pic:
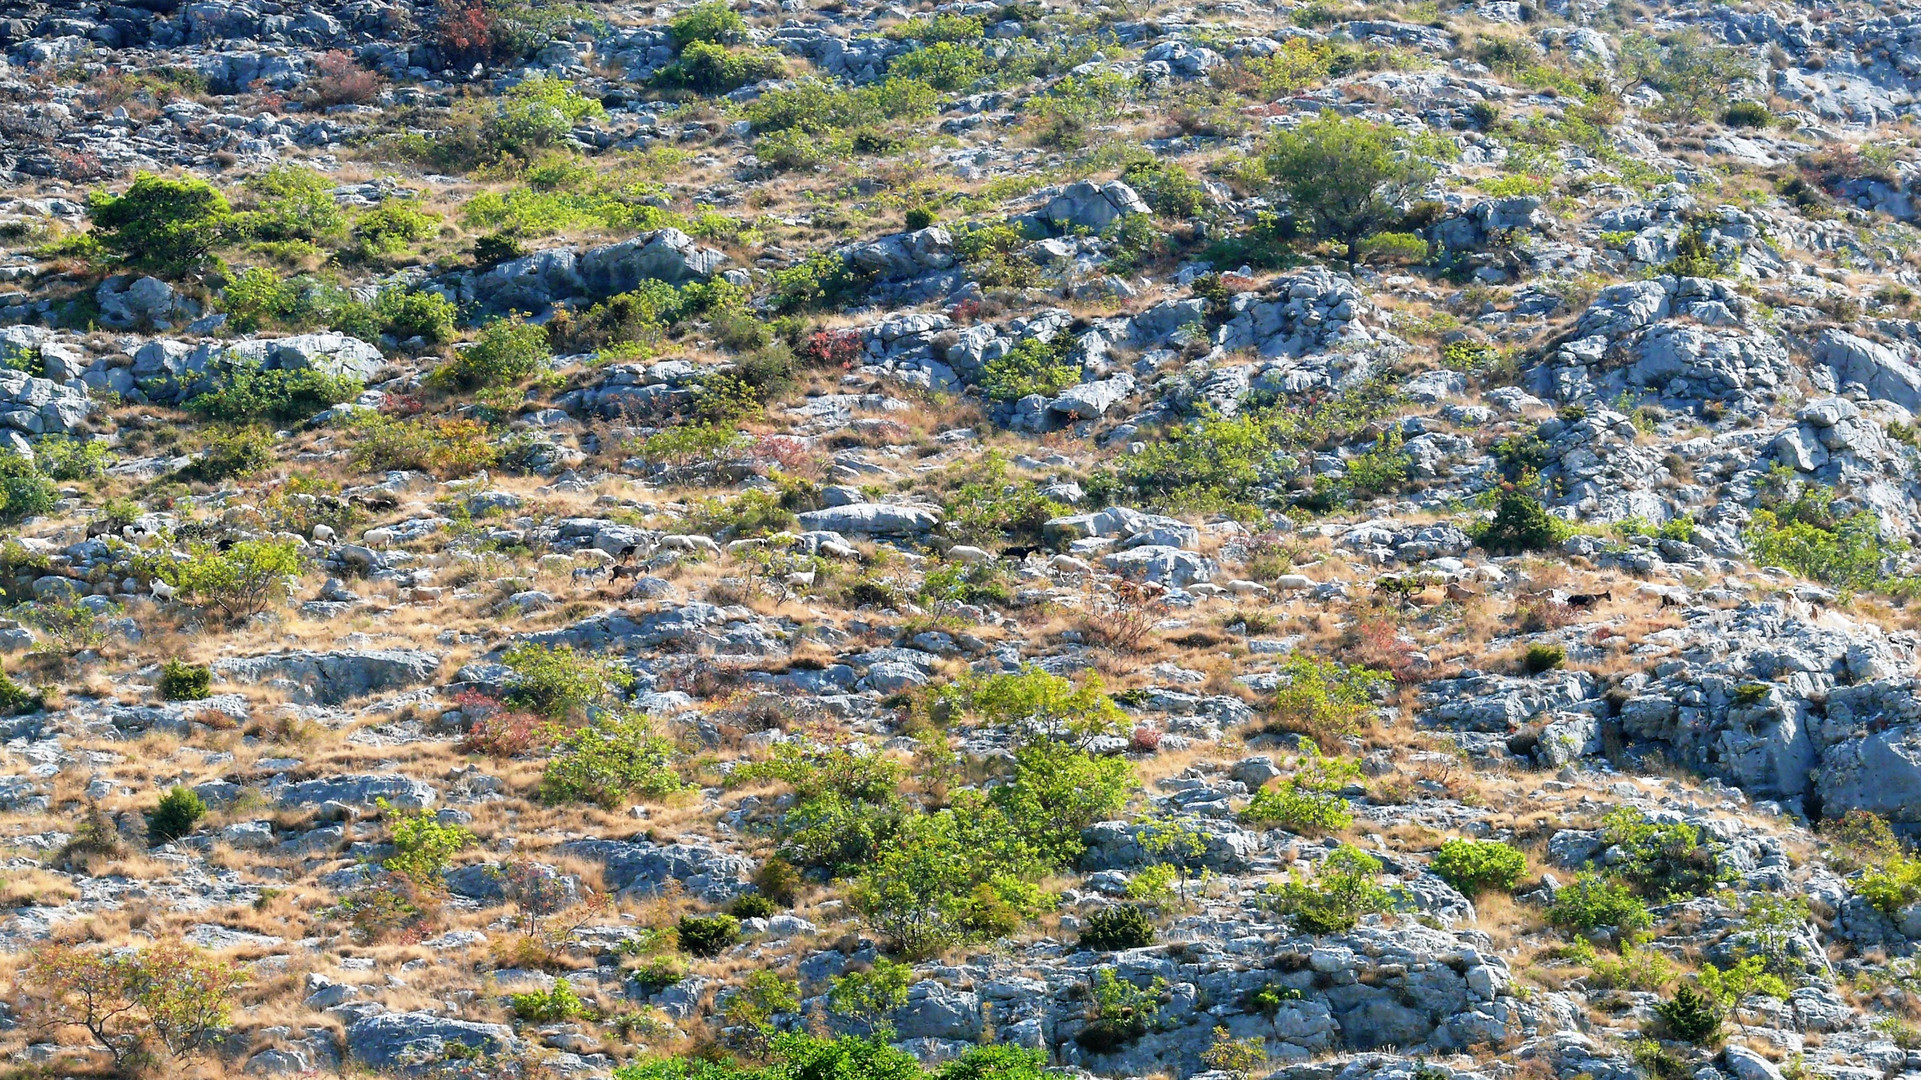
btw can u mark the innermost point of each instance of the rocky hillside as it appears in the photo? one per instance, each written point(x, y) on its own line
point(851, 542)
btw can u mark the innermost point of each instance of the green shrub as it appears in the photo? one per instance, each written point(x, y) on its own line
point(1691, 1016)
point(232, 453)
point(70, 457)
point(551, 1006)
point(240, 582)
point(941, 28)
point(422, 845)
point(1032, 366)
point(181, 681)
point(611, 760)
point(257, 298)
point(1309, 802)
point(1478, 866)
point(1520, 524)
point(1346, 176)
point(539, 113)
point(1592, 901)
point(1167, 188)
point(282, 395)
point(752, 906)
point(1324, 699)
point(691, 443)
point(1892, 885)
point(425, 315)
point(508, 351)
point(1662, 862)
point(166, 227)
point(1541, 658)
point(291, 202)
point(1117, 928)
point(749, 514)
point(918, 218)
point(1744, 979)
point(175, 816)
point(709, 22)
point(24, 491)
point(1747, 114)
point(944, 65)
point(707, 935)
point(1798, 528)
point(715, 69)
point(1861, 837)
point(870, 997)
point(393, 227)
point(1344, 888)
point(443, 448)
point(1121, 1012)
point(16, 700)
point(1401, 248)
point(557, 681)
point(954, 876)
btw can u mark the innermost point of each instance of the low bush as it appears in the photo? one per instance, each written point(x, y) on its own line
point(283, 396)
point(1478, 866)
point(166, 227)
point(428, 316)
point(392, 228)
point(608, 762)
point(1344, 888)
point(1032, 366)
point(1520, 524)
point(556, 681)
point(752, 906)
point(1691, 1016)
point(712, 22)
point(175, 816)
point(1308, 802)
point(551, 1006)
point(444, 448)
point(1591, 902)
point(1116, 928)
point(1542, 658)
point(1662, 862)
point(707, 935)
point(508, 351)
point(234, 453)
point(181, 681)
point(24, 491)
point(240, 582)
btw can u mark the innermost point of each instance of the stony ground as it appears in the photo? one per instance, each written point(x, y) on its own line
point(558, 540)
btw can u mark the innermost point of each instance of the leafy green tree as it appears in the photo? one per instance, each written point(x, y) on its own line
point(1176, 843)
point(1520, 524)
point(539, 113)
point(240, 582)
point(1347, 177)
point(957, 875)
point(870, 997)
point(1040, 703)
point(1056, 791)
point(713, 22)
point(139, 1004)
point(247, 392)
point(165, 227)
point(1591, 901)
point(1309, 801)
point(556, 681)
point(1032, 366)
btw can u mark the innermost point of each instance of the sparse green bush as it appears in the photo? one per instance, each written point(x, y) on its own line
point(425, 315)
point(175, 816)
point(1308, 802)
point(713, 22)
point(392, 227)
point(1747, 114)
point(291, 202)
point(557, 681)
point(715, 69)
point(508, 351)
point(1167, 188)
point(422, 845)
point(611, 760)
point(550, 1006)
point(539, 113)
point(1478, 866)
point(443, 448)
point(1591, 901)
point(1344, 889)
point(707, 935)
point(16, 700)
point(870, 997)
point(1324, 699)
point(181, 681)
point(246, 392)
point(1113, 929)
point(165, 227)
point(71, 457)
point(1347, 176)
point(24, 491)
point(1032, 366)
point(240, 582)
point(944, 65)
point(1661, 862)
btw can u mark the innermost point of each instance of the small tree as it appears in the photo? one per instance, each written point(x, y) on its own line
point(508, 351)
point(1344, 889)
point(610, 761)
point(1478, 866)
point(1520, 524)
point(137, 1005)
point(1348, 177)
point(242, 581)
point(166, 227)
point(870, 997)
point(1691, 1016)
